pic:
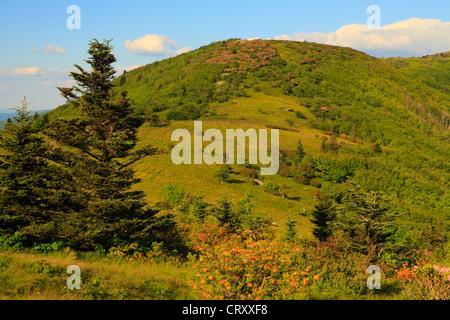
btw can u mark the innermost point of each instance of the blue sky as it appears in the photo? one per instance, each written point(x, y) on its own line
point(38, 50)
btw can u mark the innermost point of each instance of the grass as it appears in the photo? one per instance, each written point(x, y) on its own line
point(156, 171)
point(411, 166)
point(33, 276)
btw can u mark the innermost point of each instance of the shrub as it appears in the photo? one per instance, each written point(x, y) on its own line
point(315, 183)
point(173, 194)
point(247, 267)
point(289, 122)
point(251, 266)
point(274, 189)
point(249, 172)
point(177, 115)
point(303, 172)
point(302, 180)
point(299, 115)
point(223, 173)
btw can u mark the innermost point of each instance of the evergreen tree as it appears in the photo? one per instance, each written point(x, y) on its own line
point(353, 132)
point(377, 148)
point(299, 152)
point(223, 173)
point(291, 232)
point(366, 221)
point(323, 146)
point(123, 78)
point(199, 208)
point(102, 142)
point(333, 145)
point(31, 199)
point(323, 216)
point(226, 216)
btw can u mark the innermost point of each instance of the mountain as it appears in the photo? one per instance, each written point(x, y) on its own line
point(433, 70)
point(4, 115)
point(390, 118)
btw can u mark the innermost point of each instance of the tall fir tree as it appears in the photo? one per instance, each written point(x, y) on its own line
point(299, 152)
point(323, 216)
point(291, 232)
point(365, 221)
point(32, 200)
point(102, 144)
point(226, 215)
point(333, 145)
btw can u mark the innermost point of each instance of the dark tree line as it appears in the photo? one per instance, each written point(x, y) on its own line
point(71, 180)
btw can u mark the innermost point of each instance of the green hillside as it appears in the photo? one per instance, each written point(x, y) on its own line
point(381, 124)
point(433, 70)
point(361, 99)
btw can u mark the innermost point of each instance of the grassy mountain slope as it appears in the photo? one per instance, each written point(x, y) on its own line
point(433, 70)
point(310, 92)
point(251, 84)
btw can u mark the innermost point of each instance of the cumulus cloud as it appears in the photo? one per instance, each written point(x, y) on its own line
point(183, 50)
point(37, 84)
point(412, 37)
point(34, 73)
point(30, 71)
point(59, 83)
point(283, 37)
point(53, 49)
point(154, 44)
point(122, 69)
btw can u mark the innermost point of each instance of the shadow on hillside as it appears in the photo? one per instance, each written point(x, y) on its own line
point(235, 181)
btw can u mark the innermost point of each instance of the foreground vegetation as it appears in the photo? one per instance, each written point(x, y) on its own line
point(363, 180)
point(238, 266)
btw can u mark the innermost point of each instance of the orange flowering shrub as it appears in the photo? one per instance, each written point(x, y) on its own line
point(422, 279)
point(128, 251)
point(132, 251)
point(247, 266)
point(425, 281)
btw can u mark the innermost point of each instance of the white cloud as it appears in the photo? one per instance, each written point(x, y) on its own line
point(183, 50)
point(153, 44)
point(283, 37)
point(59, 83)
point(34, 73)
point(30, 71)
point(34, 49)
point(122, 69)
point(37, 84)
point(412, 37)
point(53, 49)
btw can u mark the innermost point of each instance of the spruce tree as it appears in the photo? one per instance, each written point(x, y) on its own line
point(377, 148)
point(291, 232)
point(32, 200)
point(223, 173)
point(299, 152)
point(102, 143)
point(366, 221)
point(226, 216)
point(323, 146)
point(323, 216)
point(333, 145)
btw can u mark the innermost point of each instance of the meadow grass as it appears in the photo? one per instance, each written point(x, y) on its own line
point(31, 276)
